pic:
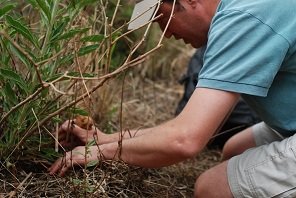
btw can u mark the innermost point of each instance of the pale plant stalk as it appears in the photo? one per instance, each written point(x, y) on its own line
point(115, 13)
point(39, 131)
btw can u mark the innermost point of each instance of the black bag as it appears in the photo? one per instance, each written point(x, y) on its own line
point(240, 118)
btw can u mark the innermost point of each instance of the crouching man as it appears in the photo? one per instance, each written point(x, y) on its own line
point(250, 52)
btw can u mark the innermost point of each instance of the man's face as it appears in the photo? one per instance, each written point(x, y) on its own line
point(185, 24)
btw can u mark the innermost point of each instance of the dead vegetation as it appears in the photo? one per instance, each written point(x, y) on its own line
point(147, 100)
point(112, 179)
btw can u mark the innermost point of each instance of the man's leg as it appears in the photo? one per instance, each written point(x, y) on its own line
point(213, 183)
point(265, 171)
point(238, 143)
point(257, 135)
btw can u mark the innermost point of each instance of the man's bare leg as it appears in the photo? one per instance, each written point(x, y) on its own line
point(213, 183)
point(238, 143)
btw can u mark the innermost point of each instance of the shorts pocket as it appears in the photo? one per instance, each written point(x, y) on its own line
point(274, 175)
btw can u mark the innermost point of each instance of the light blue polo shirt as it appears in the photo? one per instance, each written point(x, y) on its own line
point(251, 50)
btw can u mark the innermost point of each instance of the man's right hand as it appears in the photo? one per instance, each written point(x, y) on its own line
point(71, 135)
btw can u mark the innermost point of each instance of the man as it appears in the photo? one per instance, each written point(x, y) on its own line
point(250, 51)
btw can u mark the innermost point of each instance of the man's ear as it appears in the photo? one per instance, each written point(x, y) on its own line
point(192, 2)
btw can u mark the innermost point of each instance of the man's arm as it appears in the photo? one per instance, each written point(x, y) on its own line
point(176, 140)
point(181, 138)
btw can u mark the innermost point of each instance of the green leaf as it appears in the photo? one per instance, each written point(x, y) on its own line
point(44, 93)
point(77, 74)
point(21, 56)
point(76, 181)
point(72, 33)
point(92, 163)
point(6, 9)
point(10, 74)
point(93, 38)
point(78, 111)
point(14, 77)
point(90, 189)
point(83, 3)
point(87, 49)
point(9, 94)
point(67, 59)
point(33, 3)
point(91, 143)
point(116, 35)
point(54, 77)
point(22, 29)
point(56, 120)
point(49, 153)
point(58, 30)
point(45, 8)
point(1, 79)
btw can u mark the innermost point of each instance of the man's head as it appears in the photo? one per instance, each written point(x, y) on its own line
point(190, 22)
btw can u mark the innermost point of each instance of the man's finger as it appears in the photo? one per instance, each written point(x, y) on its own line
point(55, 166)
point(65, 166)
point(62, 136)
point(76, 130)
point(67, 125)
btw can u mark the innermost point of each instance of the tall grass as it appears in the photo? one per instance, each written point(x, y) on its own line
point(54, 55)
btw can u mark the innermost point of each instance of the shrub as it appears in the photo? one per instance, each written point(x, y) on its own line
point(54, 55)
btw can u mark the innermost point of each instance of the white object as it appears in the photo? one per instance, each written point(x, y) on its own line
point(143, 12)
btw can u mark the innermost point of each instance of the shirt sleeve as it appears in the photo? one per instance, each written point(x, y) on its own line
point(243, 54)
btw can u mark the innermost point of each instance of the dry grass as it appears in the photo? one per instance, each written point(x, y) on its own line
point(150, 97)
point(113, 179)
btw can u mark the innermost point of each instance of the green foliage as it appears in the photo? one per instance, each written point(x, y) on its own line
point(49, 51)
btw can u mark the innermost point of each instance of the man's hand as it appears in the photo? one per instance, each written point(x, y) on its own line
point(71, 135)
point(79, 156)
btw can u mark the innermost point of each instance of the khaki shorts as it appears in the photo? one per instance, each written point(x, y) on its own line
point(268, 170)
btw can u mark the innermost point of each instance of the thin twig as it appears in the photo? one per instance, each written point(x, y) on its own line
point(28, 99)
point(168, 23)
point(13, 193)
point(115, 13)
point(38, 125)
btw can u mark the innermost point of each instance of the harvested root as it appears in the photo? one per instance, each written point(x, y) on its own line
point(84, 122)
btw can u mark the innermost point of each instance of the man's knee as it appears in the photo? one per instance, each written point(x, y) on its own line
point(200, 186)
point(213, 183)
